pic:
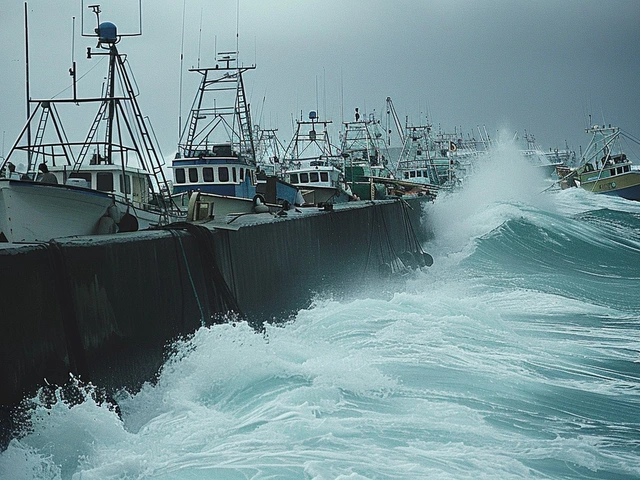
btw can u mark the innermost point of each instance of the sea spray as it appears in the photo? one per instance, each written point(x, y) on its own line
point(514, 356)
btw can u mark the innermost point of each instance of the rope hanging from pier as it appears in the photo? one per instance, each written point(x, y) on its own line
point(221, 296)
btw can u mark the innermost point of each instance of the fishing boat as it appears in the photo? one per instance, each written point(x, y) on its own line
point(416, 162)
point(604, 167)
point(31, 211)
point(364, 157)
point(216, 152)
point(423, 164)
point(269, 151)
point(546, 162)
point(108, 180)
point(311, 164)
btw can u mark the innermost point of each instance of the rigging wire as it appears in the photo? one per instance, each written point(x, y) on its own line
point(80, 78)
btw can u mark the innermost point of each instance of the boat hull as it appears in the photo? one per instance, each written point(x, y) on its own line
point(626, 185)
point(38, 212)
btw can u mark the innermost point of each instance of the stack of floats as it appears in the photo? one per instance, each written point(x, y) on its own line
point(105, 308)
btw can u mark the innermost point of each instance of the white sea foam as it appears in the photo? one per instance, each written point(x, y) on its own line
point(485, 365)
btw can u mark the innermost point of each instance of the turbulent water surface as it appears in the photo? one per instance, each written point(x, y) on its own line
point(516, 355)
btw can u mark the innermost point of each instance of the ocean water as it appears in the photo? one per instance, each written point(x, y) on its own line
point(516, 355)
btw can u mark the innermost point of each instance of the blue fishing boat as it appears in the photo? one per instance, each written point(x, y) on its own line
point(216, 153)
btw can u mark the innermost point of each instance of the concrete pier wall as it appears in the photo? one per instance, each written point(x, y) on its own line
point(277, 267)
point(103, 310)
point(106, 308)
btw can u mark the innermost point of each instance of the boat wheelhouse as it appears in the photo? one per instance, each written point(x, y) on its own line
point(218, 170)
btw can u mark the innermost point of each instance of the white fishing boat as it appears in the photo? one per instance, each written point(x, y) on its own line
point(116, 164)
point(311, 164)
point(38, 212)
point(425, 160)
point(417, 163)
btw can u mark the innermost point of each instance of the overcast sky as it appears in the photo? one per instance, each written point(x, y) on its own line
point(540, 66)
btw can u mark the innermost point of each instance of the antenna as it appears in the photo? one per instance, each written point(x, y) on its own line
point(95, 8)
point(26, 54)
point(184, 7)
point(72, 70)
point(341, 98)
point(317, 106)
point(237, 28)
point(324, 92)
point(200, 38)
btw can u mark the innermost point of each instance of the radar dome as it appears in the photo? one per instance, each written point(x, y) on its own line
point(107, 32)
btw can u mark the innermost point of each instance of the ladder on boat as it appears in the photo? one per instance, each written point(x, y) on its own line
point(37, 141)
point(90, 136)
point(245, 120)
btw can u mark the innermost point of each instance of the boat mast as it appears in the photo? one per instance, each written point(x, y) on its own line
point(113, 52)
point(26, 48)
point(72, 70)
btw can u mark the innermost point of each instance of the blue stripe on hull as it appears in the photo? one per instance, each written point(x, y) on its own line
point(630, 193)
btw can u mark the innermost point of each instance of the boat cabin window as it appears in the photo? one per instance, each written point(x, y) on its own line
point(104, 181)
point(406, 174)
point(242, 174)
point(223, 174)
point(233, 172)
point(126, 183)
point(207, 174)
point(193, 175)
point(412, 174)
point(314, 177)
point(419, 174)
point(425, 174)
point(627, 168)
point(324, 176)
point(179, 174)
point(294, 178)
point(619, 170)
point(304, 178)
